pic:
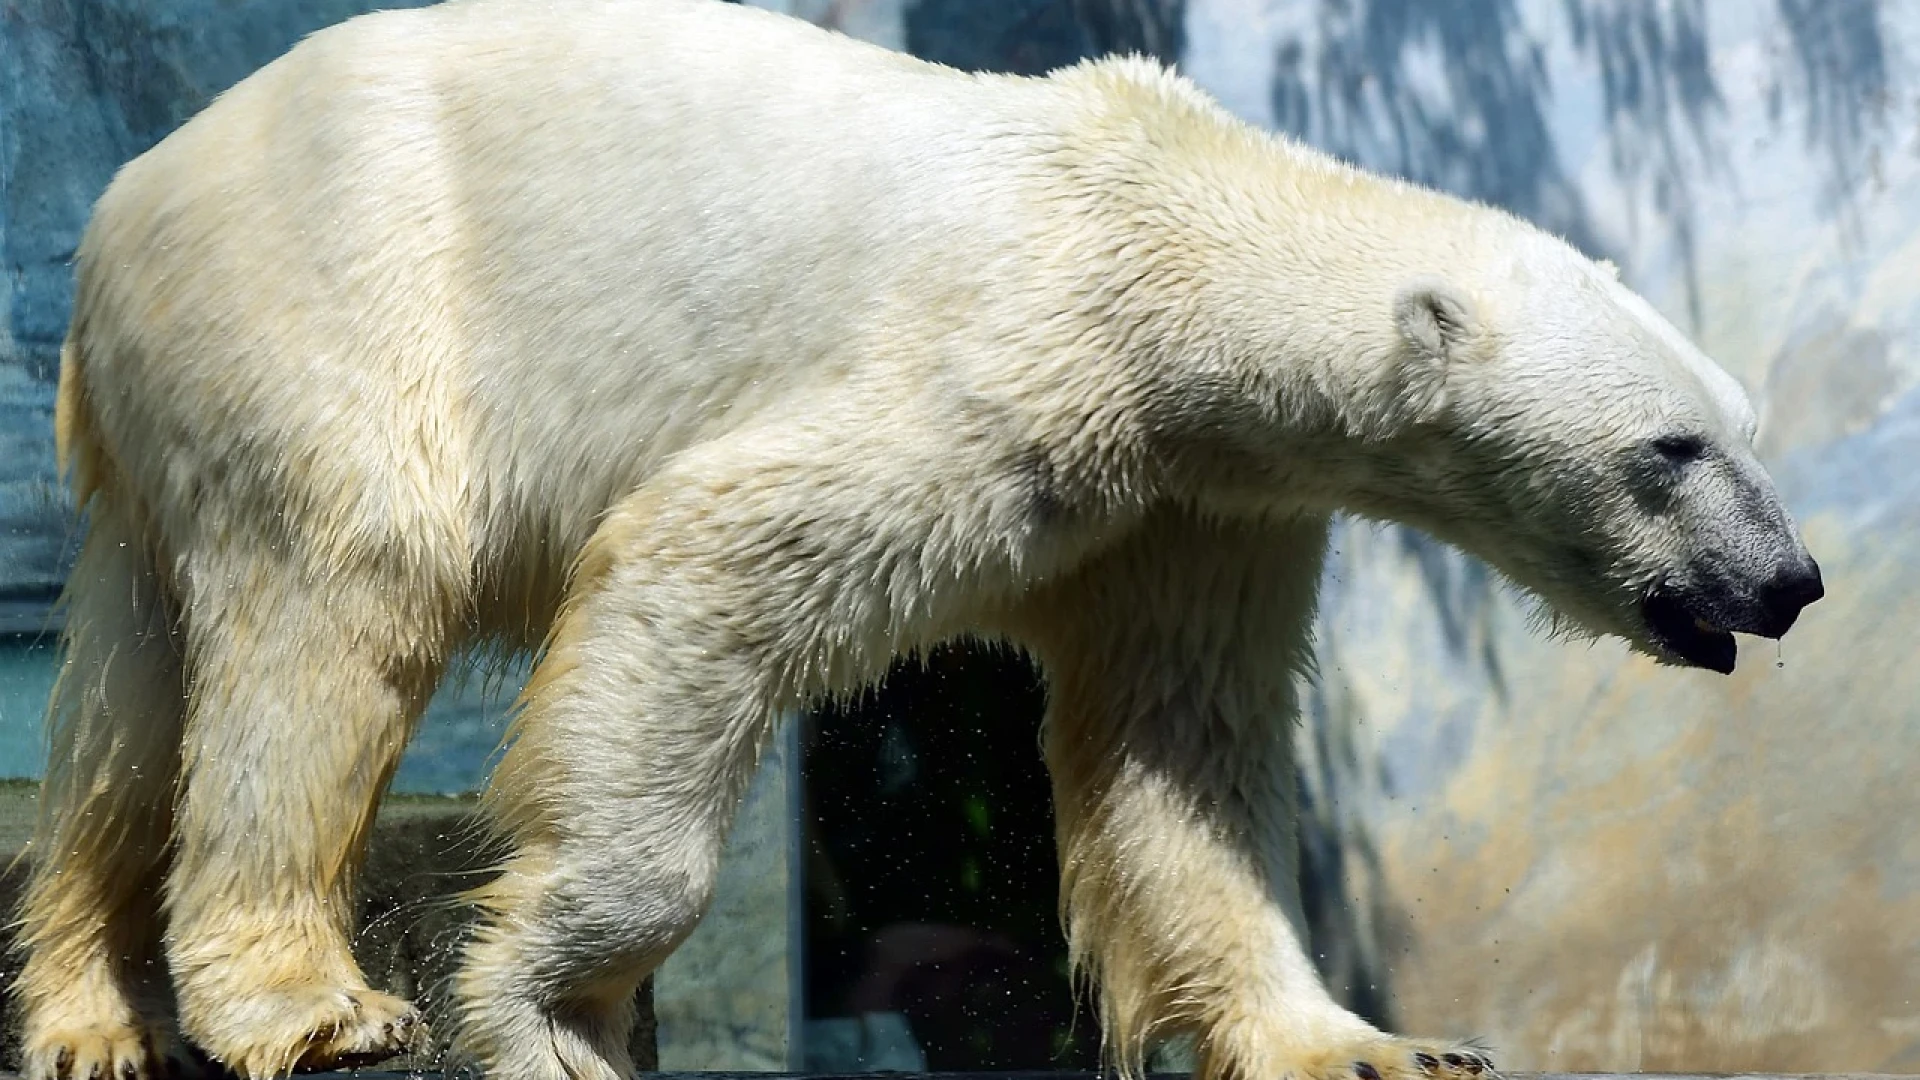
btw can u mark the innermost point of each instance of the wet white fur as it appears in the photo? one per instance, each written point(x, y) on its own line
point(732, 359)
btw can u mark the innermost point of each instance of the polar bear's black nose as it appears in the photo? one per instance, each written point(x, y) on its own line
point(1794, 586)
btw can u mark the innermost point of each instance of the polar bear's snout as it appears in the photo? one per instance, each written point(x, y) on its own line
point(1693, 617)
point(1792, 588)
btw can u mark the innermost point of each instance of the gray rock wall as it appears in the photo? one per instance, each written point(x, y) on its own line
point(84, 86)
point(1596, 863)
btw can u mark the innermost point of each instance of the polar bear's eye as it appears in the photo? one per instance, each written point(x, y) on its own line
point(1679, 448)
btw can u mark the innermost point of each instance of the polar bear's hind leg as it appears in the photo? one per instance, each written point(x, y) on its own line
point(94, 988)
point(305, 690)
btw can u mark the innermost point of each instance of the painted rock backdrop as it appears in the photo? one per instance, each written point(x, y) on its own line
point(1595, 862)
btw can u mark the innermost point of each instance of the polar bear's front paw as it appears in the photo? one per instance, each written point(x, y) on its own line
point(327, 1031)
point(1389, 1058)
point(110, 1052)
point(379, 1026)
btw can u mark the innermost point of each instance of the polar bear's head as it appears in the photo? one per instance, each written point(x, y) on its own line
point(1570, 436)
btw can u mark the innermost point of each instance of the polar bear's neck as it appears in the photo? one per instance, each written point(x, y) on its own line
point(1234, 289)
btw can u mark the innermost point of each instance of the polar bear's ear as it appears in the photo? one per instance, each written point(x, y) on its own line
point(1440, 327)
point(1437, 320)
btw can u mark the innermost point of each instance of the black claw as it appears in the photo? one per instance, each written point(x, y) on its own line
point(1475, 1065)
point(63, 1062)
point(93, 1071)
point(1426, 1061)
point(1454, 1061)
point(1365, 1071)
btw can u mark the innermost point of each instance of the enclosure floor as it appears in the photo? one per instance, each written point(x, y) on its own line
point(1043, 1075)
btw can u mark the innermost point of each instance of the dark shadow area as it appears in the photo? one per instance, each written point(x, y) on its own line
point(932, 885)
point(1659, 97)
point(1363, 89)
point(1838, 63)
point(1359, 92)
point(1148, 27)
point(932, 880)
point(1031, 37)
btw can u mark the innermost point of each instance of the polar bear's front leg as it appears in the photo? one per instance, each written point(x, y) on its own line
point(1170, 664)
point(739, 586)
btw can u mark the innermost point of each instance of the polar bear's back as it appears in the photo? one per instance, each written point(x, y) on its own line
point(492, 261)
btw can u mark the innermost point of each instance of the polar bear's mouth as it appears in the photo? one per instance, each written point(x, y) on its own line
point(1686, 636)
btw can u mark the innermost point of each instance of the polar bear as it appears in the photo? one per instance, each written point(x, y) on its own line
point(724, 360)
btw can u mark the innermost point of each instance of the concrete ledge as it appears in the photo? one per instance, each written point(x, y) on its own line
point(1045, 1075)
point(424, 852)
